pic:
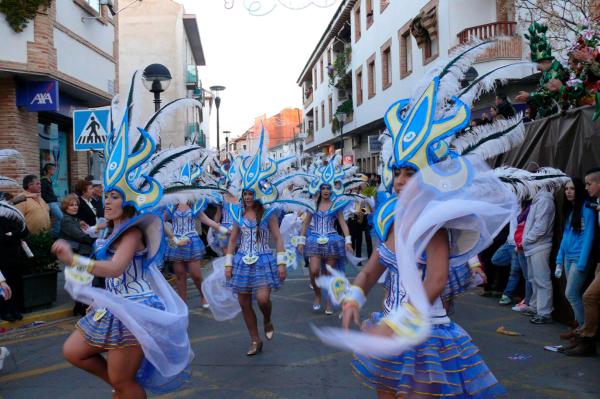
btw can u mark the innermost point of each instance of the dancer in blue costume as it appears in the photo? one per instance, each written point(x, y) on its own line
point(448, 208)
point(253, 272)
point(139, 321)
point(186, 257)
point(323, 245)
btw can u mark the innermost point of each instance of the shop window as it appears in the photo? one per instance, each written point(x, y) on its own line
point(54, 149)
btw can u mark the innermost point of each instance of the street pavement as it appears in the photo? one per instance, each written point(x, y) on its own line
point(295, 365)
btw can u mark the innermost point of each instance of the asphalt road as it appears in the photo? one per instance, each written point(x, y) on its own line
point(295, 365)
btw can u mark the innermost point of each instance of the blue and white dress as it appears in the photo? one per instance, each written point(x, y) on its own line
point(323, 239)
point(139, 308)
point(446, 365)
point(217, 240)
point(254, 263)
point(184, 225)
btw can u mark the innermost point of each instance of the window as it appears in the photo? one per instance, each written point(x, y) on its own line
point(357, 22)
point(371, 76)
point(383, 5)
point(316, 119)
point(369, 6)
point(323, 114)
point(315, 76)
point(329, 107)
point(386, 64)
point(405, 41)
point(321, 68)
point(359, 86)
point(430, 50)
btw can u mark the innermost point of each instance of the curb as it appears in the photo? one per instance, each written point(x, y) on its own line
point(45, 315)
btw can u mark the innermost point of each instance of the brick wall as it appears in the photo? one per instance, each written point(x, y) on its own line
point(18, 131)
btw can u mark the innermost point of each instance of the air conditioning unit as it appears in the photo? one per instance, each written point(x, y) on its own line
point(342, 94)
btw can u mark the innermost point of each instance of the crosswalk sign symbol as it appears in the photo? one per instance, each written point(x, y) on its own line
point(90, 129)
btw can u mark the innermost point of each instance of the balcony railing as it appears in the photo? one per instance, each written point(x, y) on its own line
point(191, 77)
point(511, 48)
point(488, 31)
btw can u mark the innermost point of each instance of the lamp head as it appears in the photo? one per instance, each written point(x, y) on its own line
point(156, 78)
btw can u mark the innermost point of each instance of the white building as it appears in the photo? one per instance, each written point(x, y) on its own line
point(65, 59)
point(386, 59)
point(160, 31)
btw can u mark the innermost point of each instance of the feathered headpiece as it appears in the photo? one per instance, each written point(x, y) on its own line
point(430, 127)
point(526, 184)
point(141, 175)
point(259, 173)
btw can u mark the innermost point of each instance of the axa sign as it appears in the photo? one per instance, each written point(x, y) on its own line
point(38, 95)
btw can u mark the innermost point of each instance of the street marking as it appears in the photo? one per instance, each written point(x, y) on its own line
point(27, 339)
point(297, 336)
point(317, 360)
point(212, 337)
point(35, 372)
point(287, 298)
point(263, 393)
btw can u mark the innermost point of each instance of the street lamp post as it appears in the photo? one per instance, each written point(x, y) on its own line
point(341, 116)
point(156, 78)
point(217, 90)
point(226, 133)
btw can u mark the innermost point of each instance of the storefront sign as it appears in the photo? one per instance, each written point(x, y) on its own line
point(348, 159)
point(374, 144)
point(38, 96)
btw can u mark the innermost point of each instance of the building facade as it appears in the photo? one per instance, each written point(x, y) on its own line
point(65, 59)
point(374, 52)
point(175, 43)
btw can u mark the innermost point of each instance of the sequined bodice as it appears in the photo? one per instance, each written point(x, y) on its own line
point(133, 280)
point(249, 242)
point(183, 223)
point(323, 223)
point(396, 293)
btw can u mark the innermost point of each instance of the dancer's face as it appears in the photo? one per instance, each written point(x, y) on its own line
point(401, 178)
point(248, 198)
point(325, 191)
point(113, 205)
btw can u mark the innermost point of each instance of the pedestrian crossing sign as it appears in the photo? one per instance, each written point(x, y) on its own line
point(90, 129)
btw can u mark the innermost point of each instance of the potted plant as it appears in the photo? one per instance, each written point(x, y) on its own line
point(39, 273)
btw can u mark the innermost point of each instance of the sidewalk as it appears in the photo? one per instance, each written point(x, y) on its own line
point(62, 308)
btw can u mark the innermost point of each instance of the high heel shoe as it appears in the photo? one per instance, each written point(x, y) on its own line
point(269, 331)
point(255, 347)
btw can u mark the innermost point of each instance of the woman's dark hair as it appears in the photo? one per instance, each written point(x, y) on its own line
point(47, 167)
point(81, 186)
point(577, 205)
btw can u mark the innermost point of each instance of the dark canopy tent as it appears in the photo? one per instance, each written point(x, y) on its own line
point(570, 142)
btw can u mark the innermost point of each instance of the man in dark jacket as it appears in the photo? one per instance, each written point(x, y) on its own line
point(50, 198)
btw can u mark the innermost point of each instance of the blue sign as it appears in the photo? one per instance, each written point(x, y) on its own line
point(38, 96)
point(90, 129)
